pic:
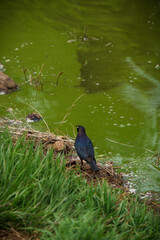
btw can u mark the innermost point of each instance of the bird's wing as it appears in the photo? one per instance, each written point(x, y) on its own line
point(85, 149)
point(80, 148)
point(89, 148)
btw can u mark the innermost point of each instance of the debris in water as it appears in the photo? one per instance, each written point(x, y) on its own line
point(33, 117)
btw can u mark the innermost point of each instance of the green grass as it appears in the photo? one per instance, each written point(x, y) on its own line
point(39, 194)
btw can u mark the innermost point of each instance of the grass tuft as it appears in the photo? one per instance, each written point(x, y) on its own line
point(38, 194)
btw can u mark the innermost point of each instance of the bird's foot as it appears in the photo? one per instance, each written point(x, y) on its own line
point(81, 167)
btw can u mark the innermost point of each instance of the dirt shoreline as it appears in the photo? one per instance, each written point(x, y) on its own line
point(65, 145)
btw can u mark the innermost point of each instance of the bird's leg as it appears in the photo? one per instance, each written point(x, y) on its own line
point(81, 163)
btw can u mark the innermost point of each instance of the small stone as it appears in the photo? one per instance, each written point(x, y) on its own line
point(1, 66)
point(59, 146)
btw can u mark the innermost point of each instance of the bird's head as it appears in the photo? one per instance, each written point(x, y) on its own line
point(81, 130)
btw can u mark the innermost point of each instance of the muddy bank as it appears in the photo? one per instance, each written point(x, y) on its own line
point(7, 84)
point(64, 145)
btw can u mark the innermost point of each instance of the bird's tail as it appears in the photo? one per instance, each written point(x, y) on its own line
point(94, 166)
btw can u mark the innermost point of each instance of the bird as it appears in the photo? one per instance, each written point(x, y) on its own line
point(84, 148)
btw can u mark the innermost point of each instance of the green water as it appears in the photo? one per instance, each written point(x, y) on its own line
point(109, 52)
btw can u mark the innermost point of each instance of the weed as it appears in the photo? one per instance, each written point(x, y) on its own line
point(36, 80)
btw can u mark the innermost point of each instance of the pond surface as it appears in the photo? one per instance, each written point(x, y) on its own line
point(107, 57)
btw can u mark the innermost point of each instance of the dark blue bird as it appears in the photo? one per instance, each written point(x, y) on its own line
point(84, 148)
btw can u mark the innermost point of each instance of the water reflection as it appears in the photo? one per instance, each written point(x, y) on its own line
point(98, 63)
point(146, 100)
point(103, 58)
